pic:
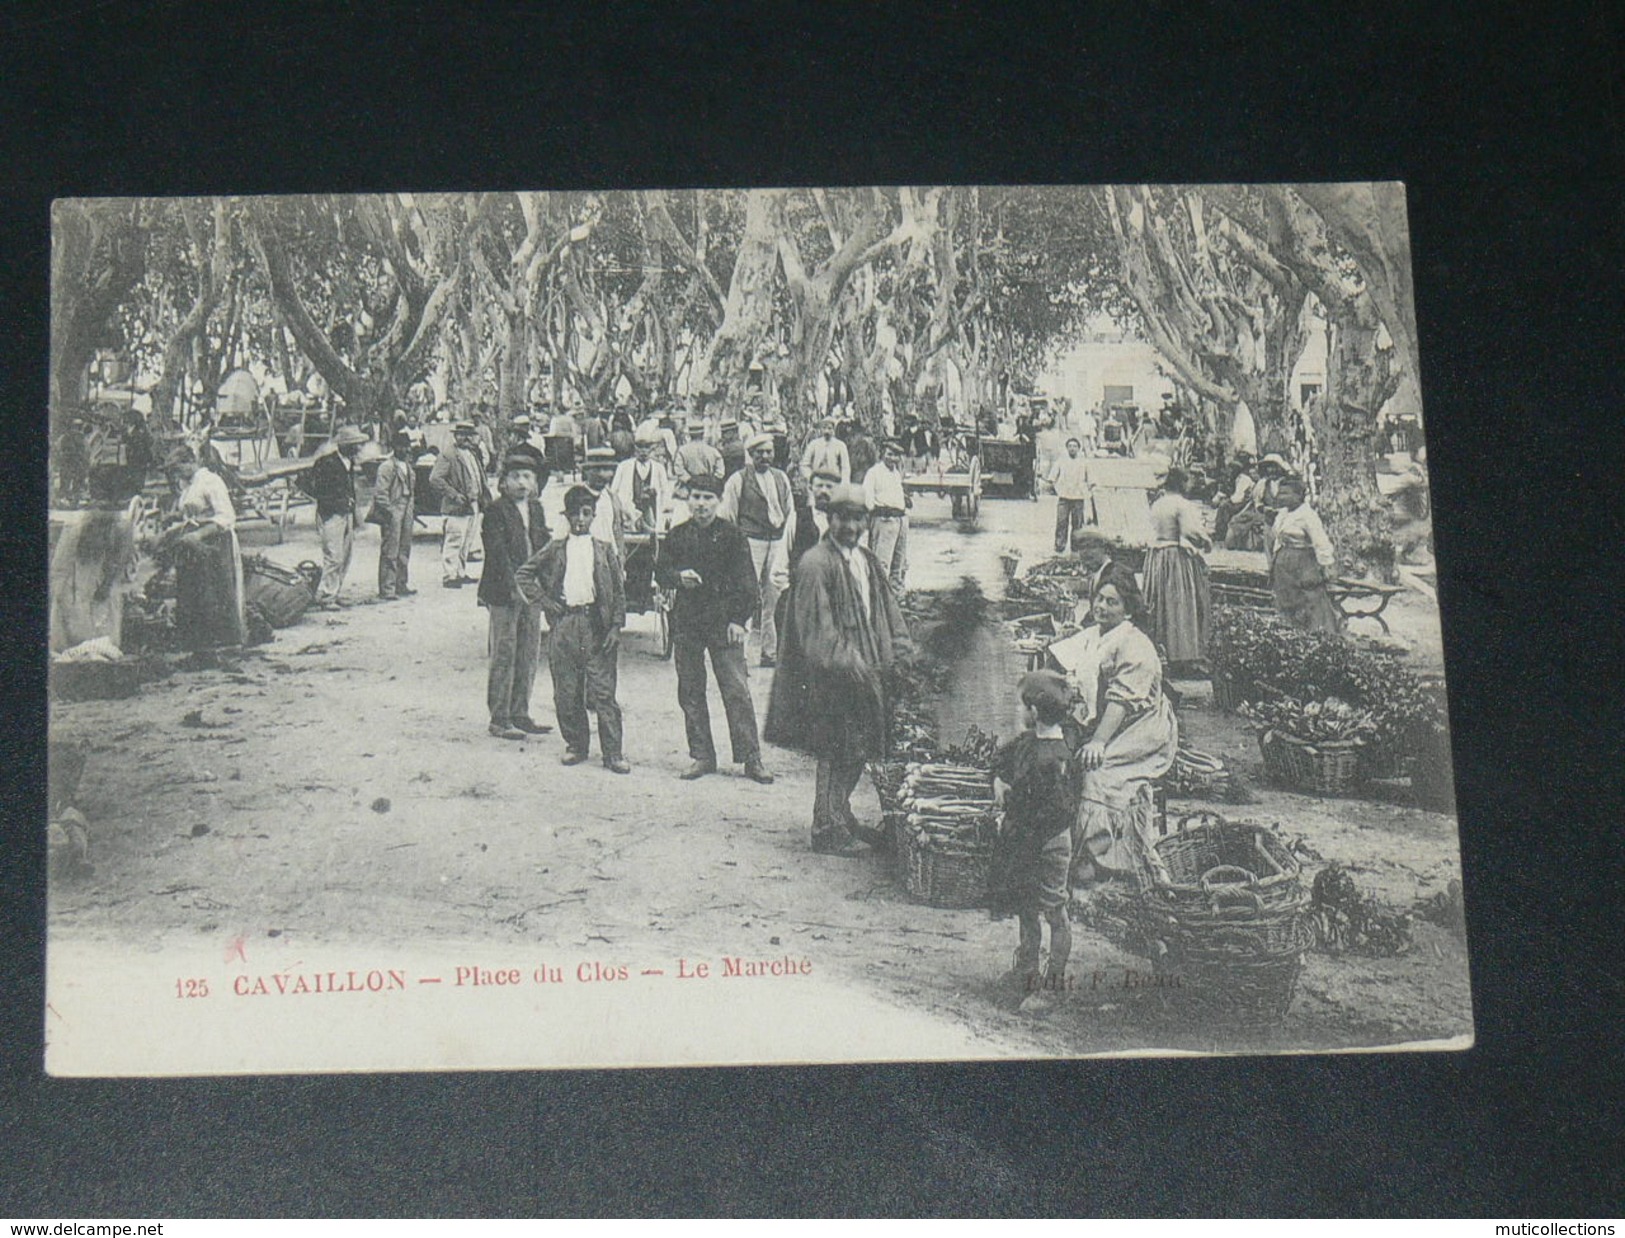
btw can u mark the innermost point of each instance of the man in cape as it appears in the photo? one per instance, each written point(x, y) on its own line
point(831, 695)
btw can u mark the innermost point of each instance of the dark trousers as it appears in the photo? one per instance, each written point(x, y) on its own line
point(1069, 514)
point(728, 661)
point(516, 637)
point(583, 675)
point(832, 800)
point(394, 552)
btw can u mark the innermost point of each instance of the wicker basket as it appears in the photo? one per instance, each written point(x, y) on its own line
point(943, 874)
point(1253, 996)
point(1192, 865)
point(1330, 768)
point(1224, 912)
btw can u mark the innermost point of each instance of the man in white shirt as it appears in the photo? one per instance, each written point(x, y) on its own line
point(826, 453)
point(1073, 486)
point(758, 500)
point(642, 483)
point(888, 505)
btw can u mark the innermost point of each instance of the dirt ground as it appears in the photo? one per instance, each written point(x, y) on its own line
point(341, 786)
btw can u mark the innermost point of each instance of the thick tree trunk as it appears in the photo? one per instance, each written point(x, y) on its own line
point(1359, 380)
point(748, 312)
point(98, 254)
point(213, 273)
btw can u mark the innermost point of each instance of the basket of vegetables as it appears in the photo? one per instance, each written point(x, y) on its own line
point(945, 833)
point(1314, 746)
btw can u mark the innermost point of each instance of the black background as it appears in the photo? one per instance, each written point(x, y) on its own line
point(1506, 128)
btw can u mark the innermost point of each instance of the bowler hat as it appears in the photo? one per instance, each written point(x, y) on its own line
point(349, 436)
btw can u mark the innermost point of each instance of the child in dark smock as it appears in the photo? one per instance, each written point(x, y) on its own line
point(1036, 775)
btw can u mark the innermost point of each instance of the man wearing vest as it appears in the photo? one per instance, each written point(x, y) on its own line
point(758, 500)
point(458, 481)
point(642, 483)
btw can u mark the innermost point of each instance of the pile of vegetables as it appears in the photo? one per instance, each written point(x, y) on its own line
point(1200, 775)
point(949, 804)
point(1265, 658)
point(1314, 722)
point(1345, 921)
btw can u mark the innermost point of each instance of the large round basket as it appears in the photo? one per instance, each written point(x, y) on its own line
point(1237, 996)
point(1224, 911)
point(1329, 768)
point(942, 874)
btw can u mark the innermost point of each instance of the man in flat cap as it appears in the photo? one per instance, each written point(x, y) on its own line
point(392, 501)
point(578, 582)
point(514, 529)
point(458, 481)
point(758, 500)
point(707, 562)
point(831, 696)
point(888, 504)
point(331, 482)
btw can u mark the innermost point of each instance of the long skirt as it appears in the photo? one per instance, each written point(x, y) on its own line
point(1300, 591)
point(1176, 594)
point(1110, 825)
point(209, 589)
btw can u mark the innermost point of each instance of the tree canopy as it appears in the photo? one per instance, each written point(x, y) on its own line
point(876, 300)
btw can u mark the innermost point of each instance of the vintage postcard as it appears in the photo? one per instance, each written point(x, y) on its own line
point(700, 627)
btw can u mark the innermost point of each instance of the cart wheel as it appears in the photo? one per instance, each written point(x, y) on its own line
point(973, 496)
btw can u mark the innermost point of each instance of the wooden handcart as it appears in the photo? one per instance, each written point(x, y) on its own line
point(957, 476)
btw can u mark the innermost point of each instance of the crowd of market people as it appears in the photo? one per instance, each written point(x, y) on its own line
point(807, 552)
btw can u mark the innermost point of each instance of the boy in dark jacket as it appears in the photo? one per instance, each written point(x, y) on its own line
point(706, 561)
point(513, 530)
point(1037, 777)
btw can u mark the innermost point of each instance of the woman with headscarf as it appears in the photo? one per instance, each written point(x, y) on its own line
point(208, 564)
point(1136, 734)
point(1176, 585)
point(1301, 561)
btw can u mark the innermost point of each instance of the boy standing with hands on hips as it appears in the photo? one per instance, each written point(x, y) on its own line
point(578, 582)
